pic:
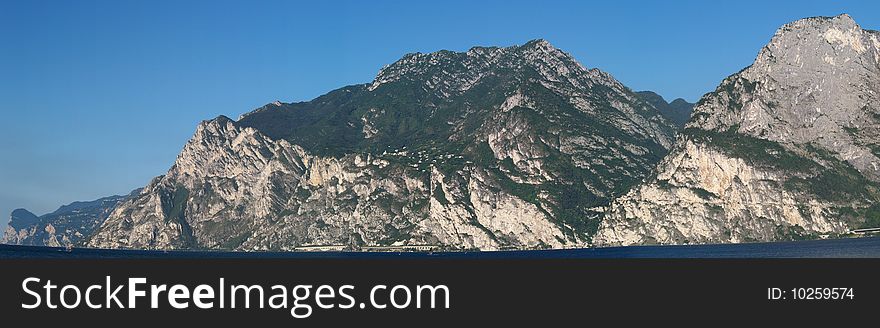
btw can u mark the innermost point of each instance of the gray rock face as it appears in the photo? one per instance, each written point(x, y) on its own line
point(494, 148)
point(233, 188)
point(787, 148)
point(70, 225)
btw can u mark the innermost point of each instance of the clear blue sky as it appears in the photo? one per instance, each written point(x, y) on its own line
point(97, 97)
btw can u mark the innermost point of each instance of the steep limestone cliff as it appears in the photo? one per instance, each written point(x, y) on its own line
point(785, 149)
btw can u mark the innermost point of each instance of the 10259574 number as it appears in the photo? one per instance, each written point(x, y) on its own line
point(826, 293)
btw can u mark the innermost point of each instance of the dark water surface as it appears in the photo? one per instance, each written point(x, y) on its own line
point(852, 247)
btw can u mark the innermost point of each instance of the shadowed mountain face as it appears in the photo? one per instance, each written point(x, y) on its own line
point(785, 149)
point(678, 111)
point(517, 147)
point(22, 218)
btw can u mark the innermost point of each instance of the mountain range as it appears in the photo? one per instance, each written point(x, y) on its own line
point(522, 147)
point(69, 225)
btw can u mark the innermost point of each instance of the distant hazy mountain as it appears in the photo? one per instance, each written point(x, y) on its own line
point(785, 149)
point(22, 218)
point(678, 111)
point(517, 147)
point(67, 226)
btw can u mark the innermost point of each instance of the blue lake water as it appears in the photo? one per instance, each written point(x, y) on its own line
point(836, 248)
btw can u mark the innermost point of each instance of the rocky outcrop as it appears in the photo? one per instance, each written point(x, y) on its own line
point(233, 188)
point(785, 149)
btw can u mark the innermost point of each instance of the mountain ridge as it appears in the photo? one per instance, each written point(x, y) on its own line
point(493, 148)
point(522, 147)
point(69, 225)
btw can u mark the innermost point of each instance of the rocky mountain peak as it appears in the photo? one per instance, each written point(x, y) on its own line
point(816, 84)
point(448, 96)
point(543, 50)
point(787, 148)
point(827, 38)
point(539, 43)
point(220, 147)
point(458, 71)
